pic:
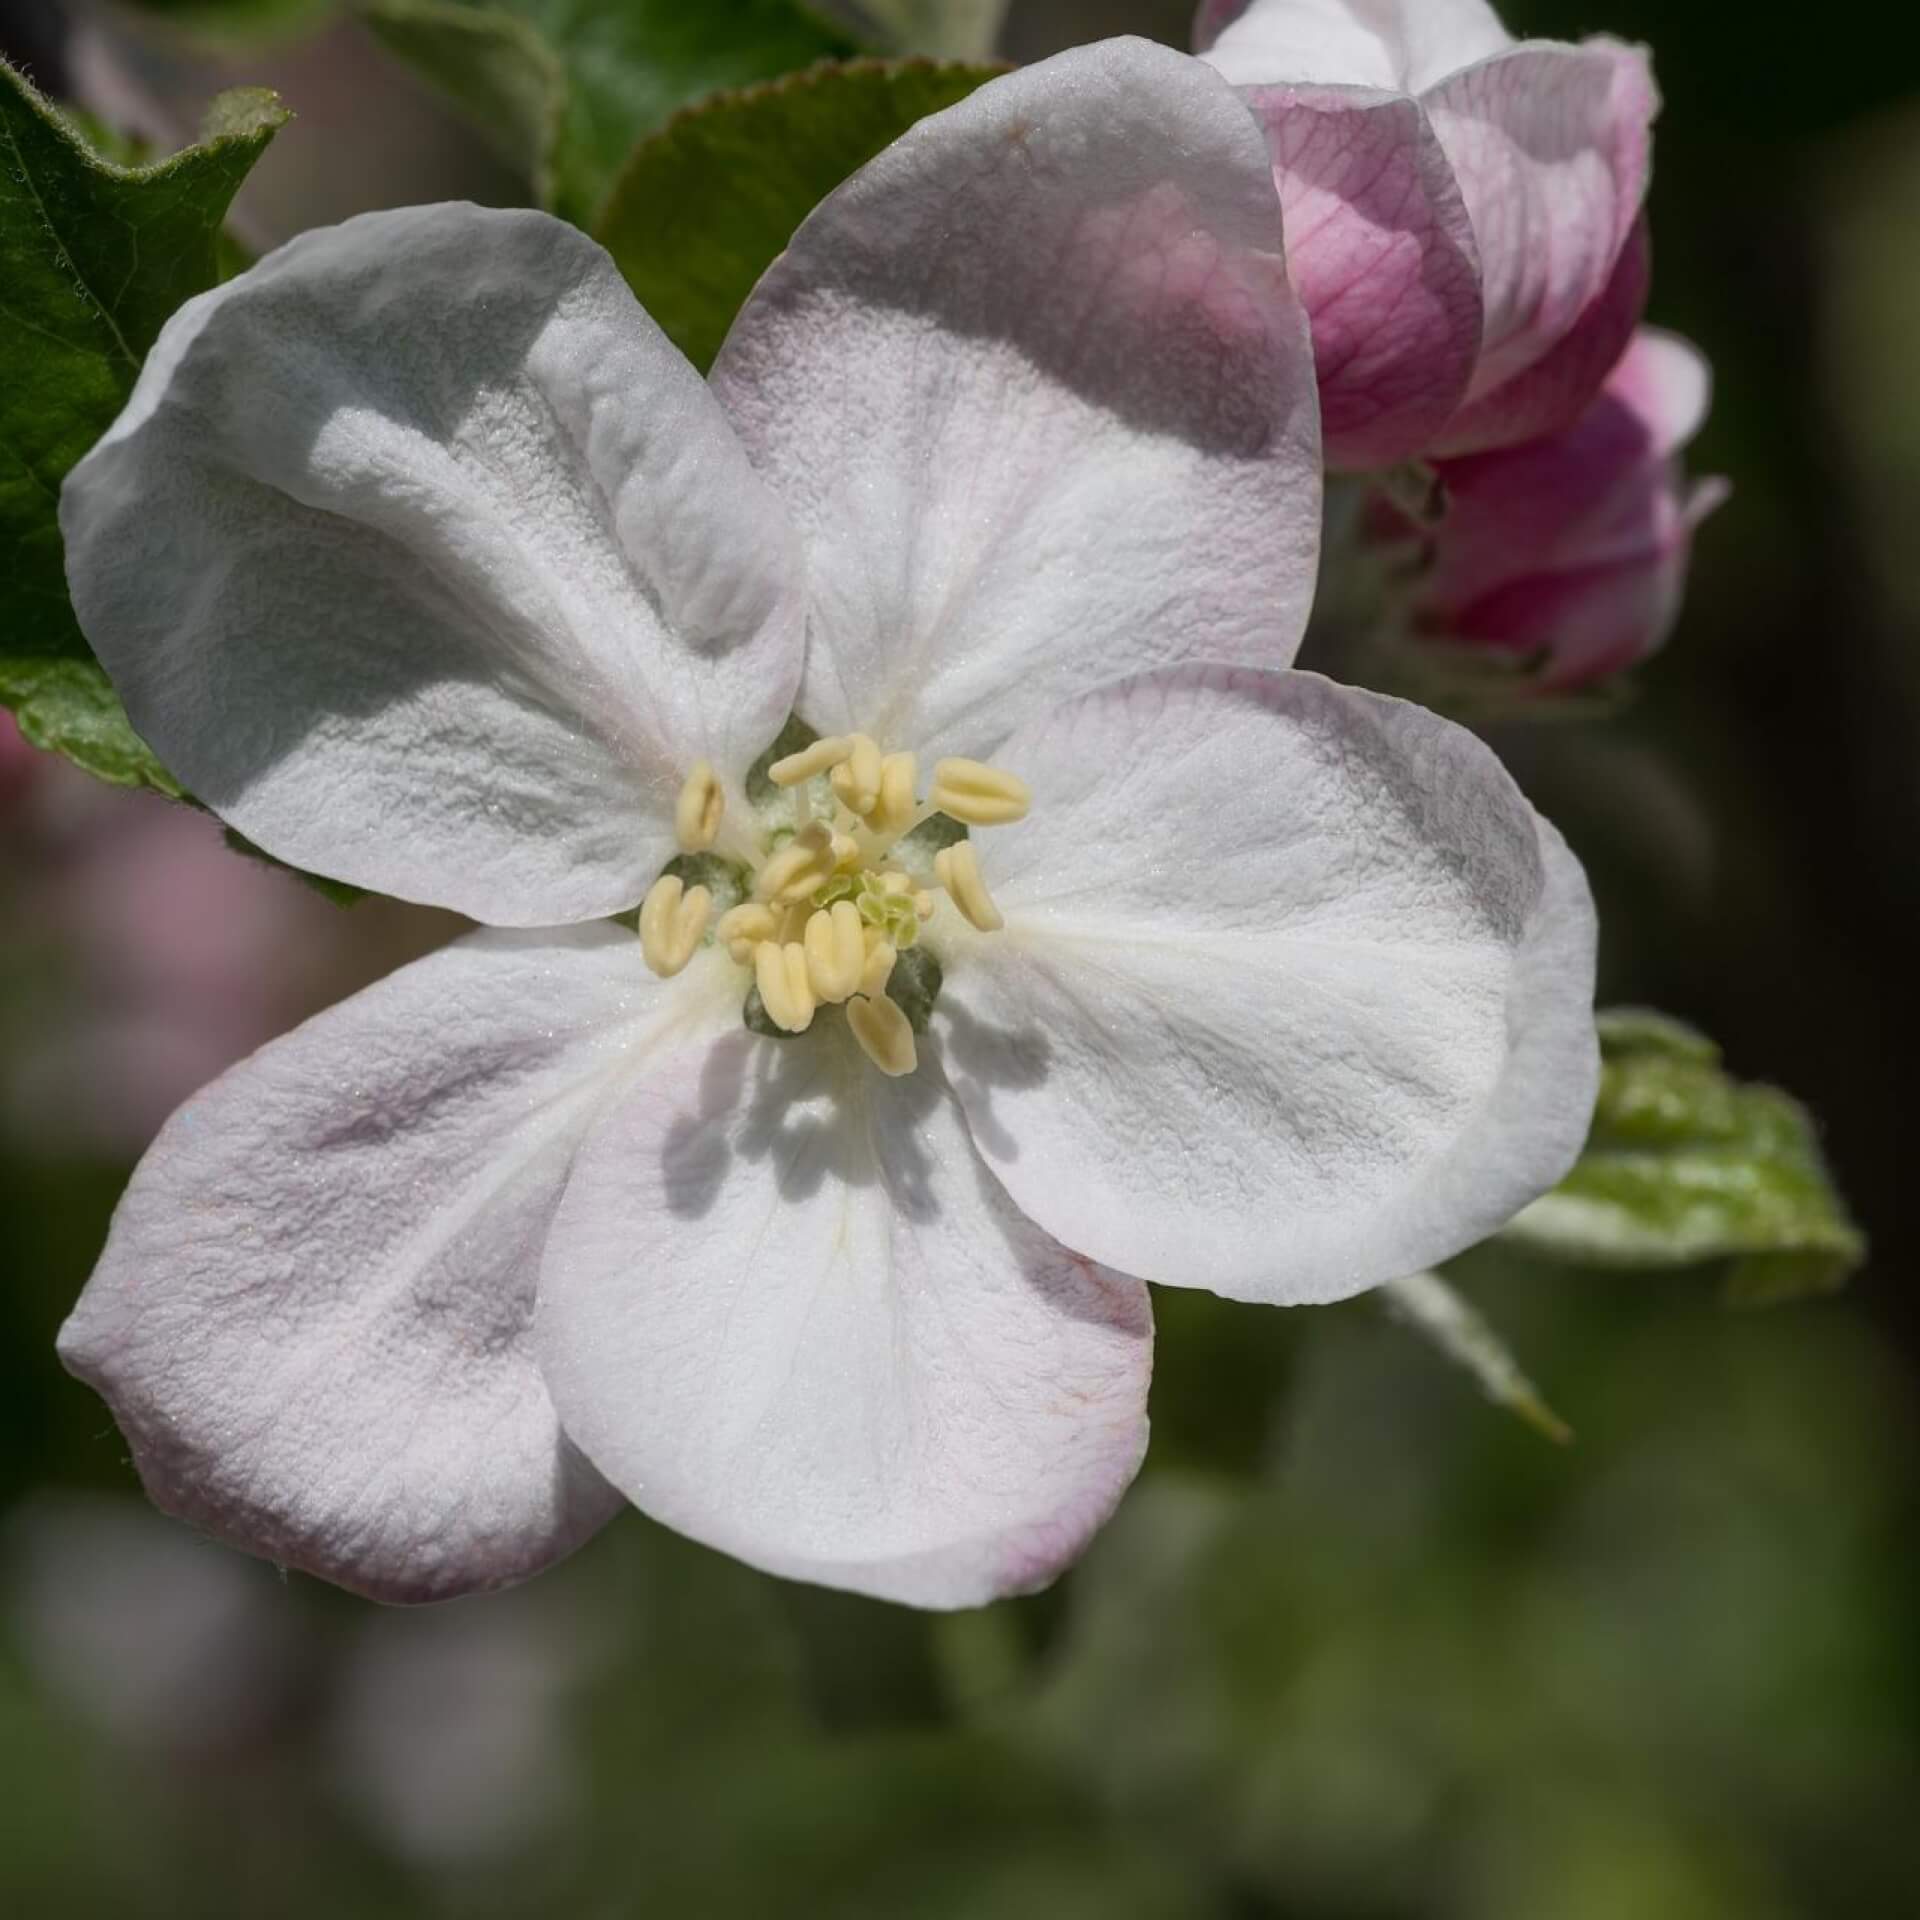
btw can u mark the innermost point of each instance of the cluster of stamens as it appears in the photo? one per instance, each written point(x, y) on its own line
point(835, 900)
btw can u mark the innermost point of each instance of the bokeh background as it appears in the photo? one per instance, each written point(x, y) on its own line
point(1357, 1647)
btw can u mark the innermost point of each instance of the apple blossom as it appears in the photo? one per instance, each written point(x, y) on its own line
point(1463, 212)
point(1571, 551)
point(422, 556)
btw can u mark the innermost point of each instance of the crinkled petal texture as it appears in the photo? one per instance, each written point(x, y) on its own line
point(1039, 396)
point(1403, 44)
point(1295, 993)
point(1550, 146)
point(312, 1316)
point(1382, 255)
point(787, 1310)
point(423, 558)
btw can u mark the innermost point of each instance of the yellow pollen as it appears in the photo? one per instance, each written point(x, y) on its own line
point(878, 969)
point(836, 899)
point(893, 812)
point(884, 1033)
point(958, 868)
point(836, 951)
point(802, 866)
point(697, 812)
point(856, 780)
point(672, 919)
point(817, 758)
point(980, 795)
point(780, 972)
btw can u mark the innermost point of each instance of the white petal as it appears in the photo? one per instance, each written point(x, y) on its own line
point(311, 1318)
point(1403, 44)
point(1295, 994)
point(1037, 392)
point(422, 558)
point(786, 1310)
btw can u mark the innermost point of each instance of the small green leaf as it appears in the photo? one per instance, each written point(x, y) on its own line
point(1436, 1311)
point(570, 85)
point(69, 707)
point(705, 205)
point(94, 257)
point(946, 29)
point(1685, 1164)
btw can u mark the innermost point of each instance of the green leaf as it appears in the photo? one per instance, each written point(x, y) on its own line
point(1685, 1164)
point(1440, 1314)
point(568, 86)
point(69, 707)
point(946, 29)
point(705, 205)
point(94, 257)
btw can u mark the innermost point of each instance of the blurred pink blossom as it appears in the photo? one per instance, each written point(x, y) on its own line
point(1574, 547)
point(1462, 212)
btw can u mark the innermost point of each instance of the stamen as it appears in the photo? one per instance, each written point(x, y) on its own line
point(958, 869)
point(697, 812)
point(879, 967)
point(856, 779)
point(893, 813)
point(803, 865)
point(836, 952)
point(884, 1033)
point(780, 972)
point(742, 928)
point(672, 919)
point(811, 760)
point(981, 795)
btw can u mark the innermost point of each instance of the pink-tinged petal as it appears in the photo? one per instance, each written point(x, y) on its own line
point(424, 559)
point(1574, 547)
point(1382, 255)
point(1406, 45)
point(1036, 390)
point(1295, 991)
point(1550, 145)
point(312, 1316)
point(1590, 622)
point(787, 1310)
point(1554, 390)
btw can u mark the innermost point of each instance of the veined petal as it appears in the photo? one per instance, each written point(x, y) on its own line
point(1295, 992)
point(1403, 44)
point(786, 1310)
point(1382, 255)
point(311, 1318)
point(1037, 392)
point(1550, 145)
point(422, 557)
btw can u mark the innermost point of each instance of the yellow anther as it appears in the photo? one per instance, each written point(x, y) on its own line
point(923, 904)
point(896, 807)
point(836, 951)
point(846, 853)
point(856, 779)
point(884, 1033)
point(879, 966)
point(780, 972)
point(740, 929)
point(980, 795)
point(958, 869)
point(894, 881)
point(672, 919)
point(810, 760)
point(696, 814)
point(803, 864)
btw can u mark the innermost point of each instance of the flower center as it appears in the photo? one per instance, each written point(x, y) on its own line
point(841, 888)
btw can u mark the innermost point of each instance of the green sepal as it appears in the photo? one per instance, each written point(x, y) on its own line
point(1684, 1164)
point(704, 206)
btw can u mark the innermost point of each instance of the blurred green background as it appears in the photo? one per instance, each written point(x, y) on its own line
point(1356, 1647)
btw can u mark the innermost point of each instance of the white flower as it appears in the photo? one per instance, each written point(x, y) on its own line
point(425, 560)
